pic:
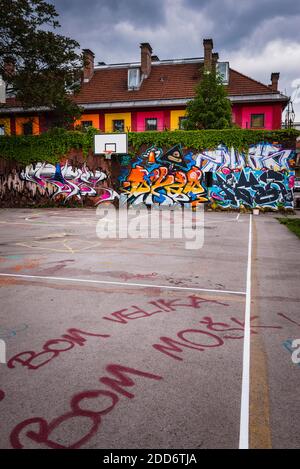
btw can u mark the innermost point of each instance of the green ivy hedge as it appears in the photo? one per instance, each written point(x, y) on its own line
point(54, 144)
point(210, 139)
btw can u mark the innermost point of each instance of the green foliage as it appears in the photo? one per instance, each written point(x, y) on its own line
point(293, 224)
point(210, 139)
point(49, 146)
point(42, 68)
point(54, 144)
point(210, 109)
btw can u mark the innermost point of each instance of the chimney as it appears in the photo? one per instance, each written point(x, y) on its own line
point(215, 58)
point(155, 58)
point(274, 81)
point(208, 47)
point(88, 65)
point(146, 51)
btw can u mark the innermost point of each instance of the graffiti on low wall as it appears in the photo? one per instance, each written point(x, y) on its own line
point(166, 179)
point(252, 188)
point(221, 157)
point(262, 176)
point(69, 182)
point(259, 156)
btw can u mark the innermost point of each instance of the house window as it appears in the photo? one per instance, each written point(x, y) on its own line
point(2, 129)
point(181, 122)
point(257, 121)
point(151, 124)
point(86, 124)
point(118, 125)
point(27, 128)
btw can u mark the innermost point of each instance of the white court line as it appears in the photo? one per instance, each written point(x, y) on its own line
point(93, 222)
point(245, 398)
point(238, 216)
point(127, 284)
point(40, 223)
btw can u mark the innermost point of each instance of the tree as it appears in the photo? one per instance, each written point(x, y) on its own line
point(41, 68)
point(210, 109)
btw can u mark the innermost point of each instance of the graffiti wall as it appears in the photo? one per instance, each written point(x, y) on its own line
point(163, 178)
point(252, 188)
point(262, 176)
point(69, 182)
point(63, 183)
point(260, 156)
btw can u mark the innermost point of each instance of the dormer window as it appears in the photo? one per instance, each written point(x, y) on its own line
point(133, 78)
point(223, 71)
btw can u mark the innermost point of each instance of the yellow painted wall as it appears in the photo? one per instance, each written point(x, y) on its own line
point(6, 122)
point(89, 117)
point(174, 119)
point(22, 120)
point(109, 118)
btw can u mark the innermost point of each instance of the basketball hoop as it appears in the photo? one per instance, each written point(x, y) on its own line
point(108, 144)
point(108, 154)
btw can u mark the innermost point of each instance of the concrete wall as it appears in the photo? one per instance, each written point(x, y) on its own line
point(73, 181)
point(261, 177)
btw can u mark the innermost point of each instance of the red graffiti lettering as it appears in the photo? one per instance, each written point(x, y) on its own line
point(177, 347)
point(122, 316)
point(196, 301)
point(217, 341)
point(32, 356)
point(224, 327)
point(118, 315)
point(73, 337)
point(289, 319)
point(118, 371)
point(53, 342)
point(172, 345)
point(43, 434)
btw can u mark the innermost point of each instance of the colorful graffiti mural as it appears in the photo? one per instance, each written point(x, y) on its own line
point(259, 156)
point(261, 176)
point(221, 157)
point(168, 179)
point(252, 188)
point(70, 181)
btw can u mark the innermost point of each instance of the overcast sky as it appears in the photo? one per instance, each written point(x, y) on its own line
point(257, 37)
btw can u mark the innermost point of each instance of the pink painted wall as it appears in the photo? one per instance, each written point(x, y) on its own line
point(141, 116)
point(266, 110)
point(277, 113)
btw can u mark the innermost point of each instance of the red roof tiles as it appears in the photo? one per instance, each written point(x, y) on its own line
point(172, 81)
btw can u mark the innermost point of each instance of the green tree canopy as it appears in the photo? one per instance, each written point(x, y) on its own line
point(210, 109)
point(40, 67)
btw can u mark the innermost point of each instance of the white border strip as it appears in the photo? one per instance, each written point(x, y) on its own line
point(245, 399)
point(127, 284)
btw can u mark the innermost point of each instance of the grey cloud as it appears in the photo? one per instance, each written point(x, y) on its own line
point(235, 20)
point(102, 13)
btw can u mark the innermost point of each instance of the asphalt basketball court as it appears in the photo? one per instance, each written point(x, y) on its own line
point(141, 343)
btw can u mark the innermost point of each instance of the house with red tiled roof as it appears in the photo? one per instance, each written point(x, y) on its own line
point(152, 94)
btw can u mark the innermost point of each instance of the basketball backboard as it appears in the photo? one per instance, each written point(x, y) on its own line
point(111, 143)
